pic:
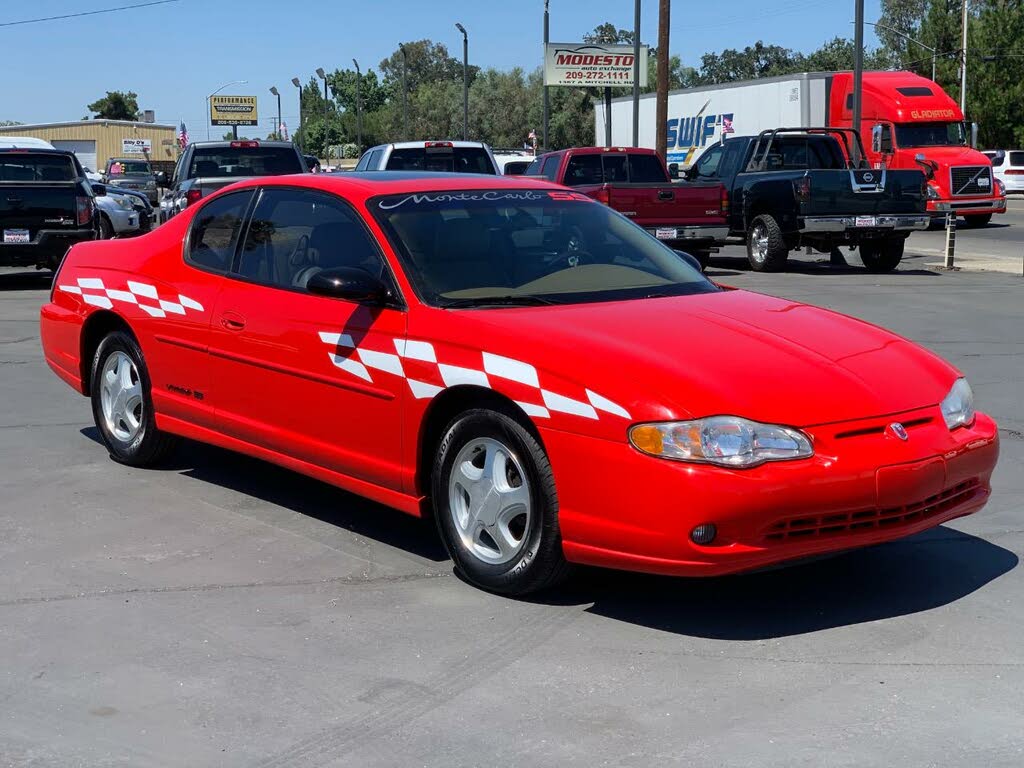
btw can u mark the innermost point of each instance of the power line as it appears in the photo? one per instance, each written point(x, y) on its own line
point(87, 13)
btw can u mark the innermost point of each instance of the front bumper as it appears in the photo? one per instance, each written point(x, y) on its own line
point(863, 486)
point(896, 223)
point(968, 207)
point(123, 221)
point(689, 232)
point(47, 249)
point(152, 194)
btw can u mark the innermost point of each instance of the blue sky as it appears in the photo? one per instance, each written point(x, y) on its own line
point(174, 55)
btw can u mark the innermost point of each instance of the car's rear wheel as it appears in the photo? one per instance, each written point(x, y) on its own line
point(766, 247)
point(121, 403)
point(882, 255)
point(495, 504)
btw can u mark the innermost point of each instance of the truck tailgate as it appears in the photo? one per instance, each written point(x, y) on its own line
point(652, 205)
point(36, 205)
point(864, 192)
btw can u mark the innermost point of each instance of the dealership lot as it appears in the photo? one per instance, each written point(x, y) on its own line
point(220, 611)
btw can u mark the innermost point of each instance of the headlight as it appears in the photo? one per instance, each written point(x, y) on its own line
point(1000, 188)
point(933, 192)
point(727, 441)
point(150, 185)
point(958, 405)
point(124, 203)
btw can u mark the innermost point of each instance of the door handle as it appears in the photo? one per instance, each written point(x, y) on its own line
point(666, 195)
point(232, 322)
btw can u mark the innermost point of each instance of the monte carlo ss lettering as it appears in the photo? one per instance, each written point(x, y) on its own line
point(533, 370)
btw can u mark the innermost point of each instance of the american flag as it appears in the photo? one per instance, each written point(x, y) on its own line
point(182, 135)
point(727, 125)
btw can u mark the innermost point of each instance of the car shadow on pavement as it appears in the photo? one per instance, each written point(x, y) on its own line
point(821, 267)
point(304, 495)
point(907, 576)
point(34, 280)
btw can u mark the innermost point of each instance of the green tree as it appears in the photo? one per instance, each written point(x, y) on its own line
point(754, 61)
point(428, 62)
point(116, 105)
point(837, 55)
point(608, 34)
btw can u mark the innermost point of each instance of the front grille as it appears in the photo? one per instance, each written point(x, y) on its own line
point(964, 180)
point(822, 526)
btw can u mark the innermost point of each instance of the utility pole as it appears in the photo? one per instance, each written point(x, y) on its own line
point(963, 62)
point(359, 108)
point(661, 99)
point(465, 81)
point(858, 70)
point(296, 135)
point(405, 93)
point(277, 93)
point(636, 73)
point(547, 103)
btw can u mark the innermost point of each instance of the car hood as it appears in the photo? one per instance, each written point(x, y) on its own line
point(951, 156)
point(732, 352)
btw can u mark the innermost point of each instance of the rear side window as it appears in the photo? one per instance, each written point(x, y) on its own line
point(215, 230)
point(550, 167)
point(361, 165)
point(441, 159)
point(1017, 158)
point(25, 166)
point(645, 169)
point(533, 169)
point(238, 162)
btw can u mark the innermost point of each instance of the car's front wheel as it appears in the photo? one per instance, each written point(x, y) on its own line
point(121, 403)
point(495, 504)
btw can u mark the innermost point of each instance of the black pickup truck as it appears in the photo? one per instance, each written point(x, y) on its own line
point(46, 206)
point(791, 187)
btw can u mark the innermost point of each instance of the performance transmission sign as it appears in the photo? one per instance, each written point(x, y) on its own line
point(592, 64)
point(233, 110)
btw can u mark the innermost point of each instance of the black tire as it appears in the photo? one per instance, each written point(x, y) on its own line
point(977, 220)
point(537, 561)
point(147, 445)
point(882, 255)
point(766, 246)
point(106, 228)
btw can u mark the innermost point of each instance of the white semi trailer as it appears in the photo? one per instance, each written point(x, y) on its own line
point(698, 116)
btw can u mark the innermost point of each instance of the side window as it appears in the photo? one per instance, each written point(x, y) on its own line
point(732, 153)
point(215, 229)
point(550, 167)
point(294, 234)
point(177, 168)
point(533, 169)
point(708, 165)
point(373, 164)
point(361, 165)
point(794, 154)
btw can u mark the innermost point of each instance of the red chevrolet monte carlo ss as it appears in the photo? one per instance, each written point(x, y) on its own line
point(554, 385)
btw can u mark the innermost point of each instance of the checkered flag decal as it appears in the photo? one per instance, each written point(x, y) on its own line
point(144, 296)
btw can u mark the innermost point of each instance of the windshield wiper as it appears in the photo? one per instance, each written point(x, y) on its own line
point(510, 300)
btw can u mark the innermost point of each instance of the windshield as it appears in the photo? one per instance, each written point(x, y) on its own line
point(129, 167)
point(930, 134)
point(443, 159)
point(506, 247)
point(236, 162)
point(24, 166)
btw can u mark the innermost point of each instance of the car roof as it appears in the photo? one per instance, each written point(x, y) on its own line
point(424, 142)
point(128, 160)
point(229, 142)
point(37, 151)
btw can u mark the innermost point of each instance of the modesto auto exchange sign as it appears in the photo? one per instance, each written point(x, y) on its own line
point(592, 64)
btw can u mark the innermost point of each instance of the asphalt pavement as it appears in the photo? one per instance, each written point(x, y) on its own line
point(219, 611)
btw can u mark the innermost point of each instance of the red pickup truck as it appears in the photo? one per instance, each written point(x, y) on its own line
point(691, 216)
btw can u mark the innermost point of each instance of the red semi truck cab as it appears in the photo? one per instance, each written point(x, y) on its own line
point(913, 123)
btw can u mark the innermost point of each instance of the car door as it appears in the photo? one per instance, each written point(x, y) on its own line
point(312, 377)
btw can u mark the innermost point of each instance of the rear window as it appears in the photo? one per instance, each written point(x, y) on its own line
point(441, 159)
point(25, 166)
point(232, 162)
point(646, 169)
point(1017, 158)
point(614, 168)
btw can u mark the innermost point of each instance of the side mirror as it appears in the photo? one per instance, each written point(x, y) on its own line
point(100, 190)
point(974, 135)
point(161, 178)
point(349, 283)
point(691, 260)
point(673, 170)
point(876, 139)
point(928, 166)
